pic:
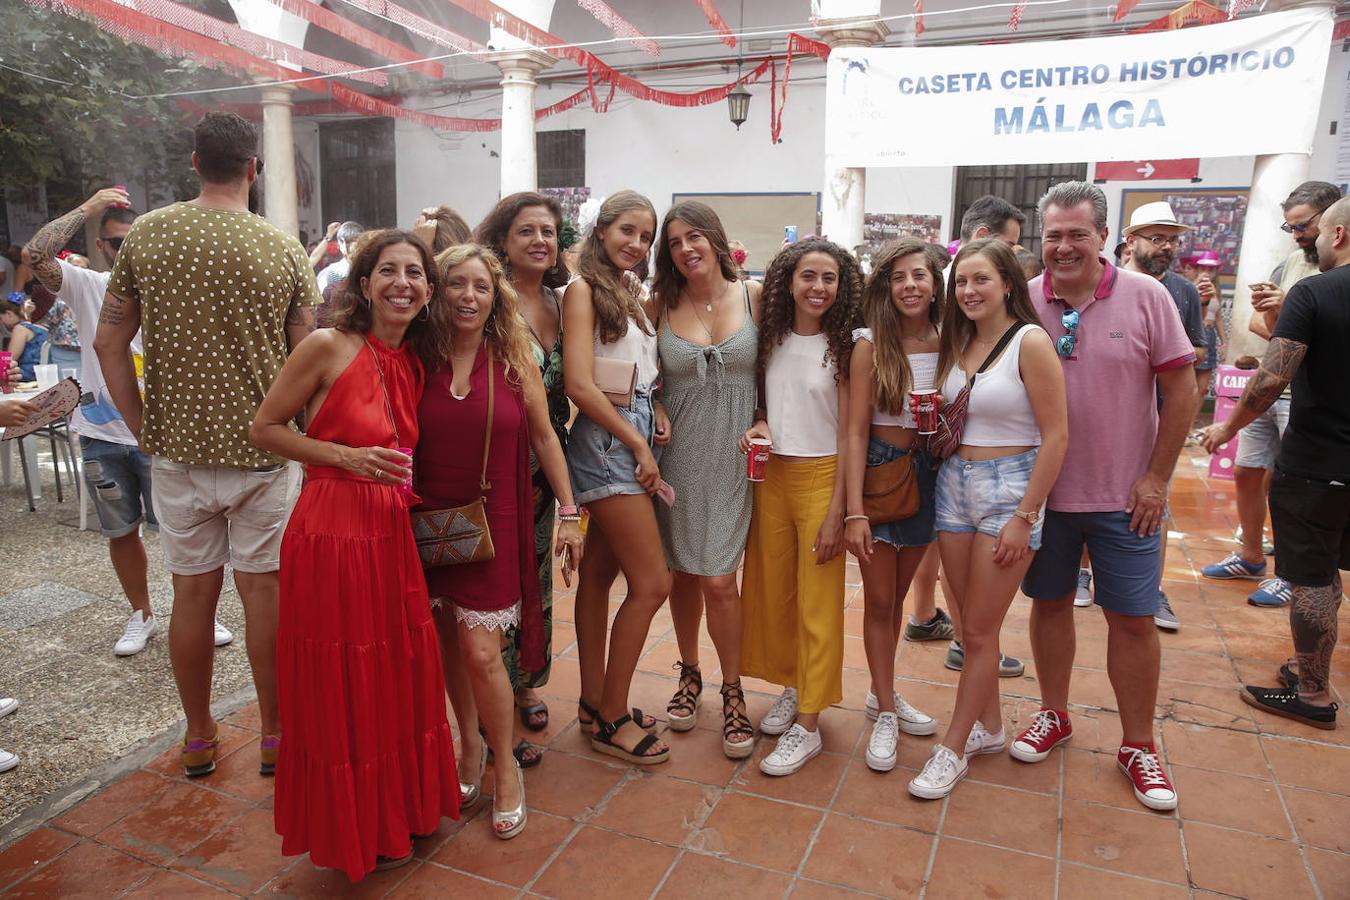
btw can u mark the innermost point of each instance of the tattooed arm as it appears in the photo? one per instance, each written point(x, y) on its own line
point(1281, 362)
point(299, 324)
point(118, 323)
point(40, 252)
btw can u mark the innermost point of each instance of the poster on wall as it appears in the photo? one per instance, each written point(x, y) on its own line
point(1128, 97)
point(880, 229)
point(1215, 217)
point(569, 198)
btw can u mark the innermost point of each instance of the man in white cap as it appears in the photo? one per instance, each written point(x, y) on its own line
point(1153, 235)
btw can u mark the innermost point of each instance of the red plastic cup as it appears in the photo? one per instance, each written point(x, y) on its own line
point(406, 486)
point(121, 187)
point(925, 410)
point(5, 359)
point(757, 460)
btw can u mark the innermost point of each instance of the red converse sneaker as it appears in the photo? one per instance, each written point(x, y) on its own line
point(1142, 766)
point(1048, 730)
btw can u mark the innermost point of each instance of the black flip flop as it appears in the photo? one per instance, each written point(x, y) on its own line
point(529, 712)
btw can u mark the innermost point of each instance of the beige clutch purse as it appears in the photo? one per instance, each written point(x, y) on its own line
point(617, 380)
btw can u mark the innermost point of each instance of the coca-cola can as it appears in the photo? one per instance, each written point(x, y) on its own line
point(757, 460)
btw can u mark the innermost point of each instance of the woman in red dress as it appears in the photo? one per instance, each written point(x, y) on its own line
point(487, 360)
point(368, 759)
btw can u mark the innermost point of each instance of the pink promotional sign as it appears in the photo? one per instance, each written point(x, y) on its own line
point(1232, 381)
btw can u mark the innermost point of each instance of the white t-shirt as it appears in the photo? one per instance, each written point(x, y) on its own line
point(802, 397)
point(334, 273)
point(95, 417)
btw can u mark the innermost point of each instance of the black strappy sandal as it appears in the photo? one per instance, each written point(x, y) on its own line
point(644, 721)
point(736, 722)
point(603, 742)
point(682, 710)
point(529, 713)
point(520, 751)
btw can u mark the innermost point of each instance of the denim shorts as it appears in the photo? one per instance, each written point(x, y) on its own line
point(118, 478)
point(1125, 567)
point(918, 530)
point(600, 464)
point(982, 495)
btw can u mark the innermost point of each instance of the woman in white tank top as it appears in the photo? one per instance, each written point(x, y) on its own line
point(792, 594)
point(896, 353)
point(991, 492)
point(614, 473)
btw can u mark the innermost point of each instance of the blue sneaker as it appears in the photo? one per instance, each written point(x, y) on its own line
point(1233, 566)
point(1272, 593)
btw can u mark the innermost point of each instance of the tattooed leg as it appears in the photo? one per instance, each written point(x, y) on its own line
point(1312, 620)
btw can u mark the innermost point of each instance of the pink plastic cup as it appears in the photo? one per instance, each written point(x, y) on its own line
point(5, 359)
point(925, 410)
point(757, 460)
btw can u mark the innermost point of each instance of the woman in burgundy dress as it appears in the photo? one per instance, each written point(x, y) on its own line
point(487, 360)
point(368, 759)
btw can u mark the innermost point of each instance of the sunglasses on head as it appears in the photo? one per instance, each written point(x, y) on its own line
point(1067, 343)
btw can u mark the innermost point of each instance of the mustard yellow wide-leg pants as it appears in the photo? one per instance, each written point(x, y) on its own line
point(794, 609)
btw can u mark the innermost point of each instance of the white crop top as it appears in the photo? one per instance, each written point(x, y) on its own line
point(923, 366)
point(999, 414)
point(802, 397)
point(635, 346)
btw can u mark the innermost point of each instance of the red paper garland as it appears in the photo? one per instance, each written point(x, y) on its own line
point(716, 21)
point(1196, 12)
point(797, 44)
point(919, 27)
point(1015, 17)
point(619, 26)
point(349, 31)
point(418, 25)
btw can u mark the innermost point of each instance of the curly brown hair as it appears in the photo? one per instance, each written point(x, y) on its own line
point(893, 374)
point(351, 310)
point(491, 232)
point(779, 307)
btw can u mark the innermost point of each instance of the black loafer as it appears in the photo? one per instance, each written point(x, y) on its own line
point(1285, 702)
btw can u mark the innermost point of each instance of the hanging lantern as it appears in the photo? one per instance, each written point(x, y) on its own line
point(738, 105)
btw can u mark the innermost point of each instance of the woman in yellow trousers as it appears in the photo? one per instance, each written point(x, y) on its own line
point(793, 589)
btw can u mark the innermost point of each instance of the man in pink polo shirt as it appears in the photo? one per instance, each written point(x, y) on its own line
point(1119, 336)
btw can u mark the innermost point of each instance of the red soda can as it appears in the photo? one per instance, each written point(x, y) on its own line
point(925, 410)
point(5, 359)
point(757, 460)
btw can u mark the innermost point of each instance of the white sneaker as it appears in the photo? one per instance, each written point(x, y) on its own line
point(1083, 596)
point(7, 760)
point(940, 774)
point(911, 720)
point(7, 706)
point(795, 749)
point(223, 635)
point(881, 746)
point(981, 741)
point(782, 714)
point(136, 635)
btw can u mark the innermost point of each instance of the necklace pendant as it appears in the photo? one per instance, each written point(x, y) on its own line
point(708, 307)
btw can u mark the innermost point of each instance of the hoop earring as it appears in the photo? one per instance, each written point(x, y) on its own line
point(367, 299)
point(425, 314)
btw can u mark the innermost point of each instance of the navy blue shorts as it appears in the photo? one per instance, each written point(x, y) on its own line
point(1125, 567)
point(920, 529)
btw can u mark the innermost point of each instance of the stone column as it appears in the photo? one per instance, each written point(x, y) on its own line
point(520, 165)
point(845, 188)
point(278, 154)
point(1264, 245)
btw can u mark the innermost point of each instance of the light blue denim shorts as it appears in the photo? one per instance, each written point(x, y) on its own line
point(600, 464)
point(982, 495)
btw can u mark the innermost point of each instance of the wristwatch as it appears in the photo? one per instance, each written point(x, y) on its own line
point(1032, 517)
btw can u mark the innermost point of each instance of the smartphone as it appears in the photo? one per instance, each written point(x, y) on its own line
point(790, 233)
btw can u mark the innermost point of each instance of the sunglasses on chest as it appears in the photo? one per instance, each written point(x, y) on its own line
point(1067, 343)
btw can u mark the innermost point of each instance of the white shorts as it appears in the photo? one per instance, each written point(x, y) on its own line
point(211, 515)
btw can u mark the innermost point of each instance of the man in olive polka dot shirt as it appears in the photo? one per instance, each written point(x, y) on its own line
point(219, 295)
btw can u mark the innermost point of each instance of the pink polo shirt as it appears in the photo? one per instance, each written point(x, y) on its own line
point(1127, 333)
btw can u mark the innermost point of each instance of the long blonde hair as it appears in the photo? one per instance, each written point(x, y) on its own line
point(614, 303)
point(505, 330)
point(892, 375)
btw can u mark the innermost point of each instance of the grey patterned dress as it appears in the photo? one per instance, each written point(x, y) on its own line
point(710, 395)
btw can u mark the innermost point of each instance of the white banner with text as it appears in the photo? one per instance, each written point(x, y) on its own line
point(1240, 88)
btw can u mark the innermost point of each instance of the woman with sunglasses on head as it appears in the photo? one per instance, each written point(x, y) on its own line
point(368, 759)
point(708, 342)
point(895, 353)
point(483, 413)
point(793, 590)
point(523, 231)
point(991, 492)
point(607, 325)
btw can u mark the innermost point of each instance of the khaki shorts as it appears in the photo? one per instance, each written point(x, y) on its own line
point(211, 515)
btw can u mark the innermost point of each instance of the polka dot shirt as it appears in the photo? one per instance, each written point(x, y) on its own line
point(215, 287)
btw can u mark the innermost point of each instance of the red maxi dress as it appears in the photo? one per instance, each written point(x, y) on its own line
point(366, 757)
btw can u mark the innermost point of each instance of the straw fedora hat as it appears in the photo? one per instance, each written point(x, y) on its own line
point(1159, 213)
